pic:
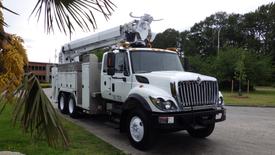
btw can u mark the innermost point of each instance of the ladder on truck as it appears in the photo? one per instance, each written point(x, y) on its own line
point(137, 32)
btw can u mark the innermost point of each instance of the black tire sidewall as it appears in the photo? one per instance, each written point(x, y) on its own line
point(74, 114)
point(148, 136)
point(202, 133)
point(65, 109)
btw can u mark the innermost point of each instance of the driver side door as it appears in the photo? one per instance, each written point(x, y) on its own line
point(121, 81)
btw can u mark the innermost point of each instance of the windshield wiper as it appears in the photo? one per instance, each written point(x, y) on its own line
point(143, 72)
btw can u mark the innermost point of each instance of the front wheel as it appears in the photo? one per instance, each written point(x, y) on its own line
point(140, 132)
point(203, 132)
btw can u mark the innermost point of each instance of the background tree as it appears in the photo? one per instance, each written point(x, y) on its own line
point(12, 59)
point(166, 39)
point(240, 74)
point(251, 33)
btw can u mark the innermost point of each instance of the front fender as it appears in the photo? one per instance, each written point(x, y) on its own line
point(145, 91)
point(136, 97)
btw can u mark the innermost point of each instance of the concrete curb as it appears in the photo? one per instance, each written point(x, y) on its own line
point(10, 153)
point(252, 106)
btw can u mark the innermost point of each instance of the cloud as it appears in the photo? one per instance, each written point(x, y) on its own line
point(28, 40)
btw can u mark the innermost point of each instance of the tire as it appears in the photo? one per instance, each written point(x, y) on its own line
point(139, 130)
point(63, 103)
point(202, 133)
point(72, 108)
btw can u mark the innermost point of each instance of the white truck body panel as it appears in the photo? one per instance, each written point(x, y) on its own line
point(83, 83)
point(86, 86)
point(55, 84)
point(116, 89)
point(105, 85)
point(68, 80)
point(98, 37)
point(90, 83)
point(122, 89)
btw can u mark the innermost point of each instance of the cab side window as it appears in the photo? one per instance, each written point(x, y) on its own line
point(121, 65)
point(105, 64)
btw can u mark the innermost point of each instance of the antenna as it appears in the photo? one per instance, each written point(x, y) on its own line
point(55, 56)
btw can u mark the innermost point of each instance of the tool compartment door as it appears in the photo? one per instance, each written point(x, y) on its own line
point(86, 86)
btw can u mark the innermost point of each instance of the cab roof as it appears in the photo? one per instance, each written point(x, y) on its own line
point(152, 49)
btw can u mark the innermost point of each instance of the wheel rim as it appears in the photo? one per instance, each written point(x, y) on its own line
point(71, 106)
point(62, 104)
point(136, 129)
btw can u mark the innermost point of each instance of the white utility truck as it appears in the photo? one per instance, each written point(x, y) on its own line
point(144, 89)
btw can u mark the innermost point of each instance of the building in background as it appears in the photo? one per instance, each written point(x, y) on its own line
point(43, 71)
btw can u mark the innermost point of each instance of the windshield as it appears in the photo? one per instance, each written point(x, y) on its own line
point(148, 61)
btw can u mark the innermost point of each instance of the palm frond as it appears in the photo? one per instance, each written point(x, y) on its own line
point(67, 13)
point(3, 103)
point(36, 114)
point(4, 37)
point(7, 9)
point(3, 98)
point(2, 22)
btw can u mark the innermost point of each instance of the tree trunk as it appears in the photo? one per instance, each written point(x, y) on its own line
point(240, 87)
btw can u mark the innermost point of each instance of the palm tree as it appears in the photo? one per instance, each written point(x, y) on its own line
point(67, 13)
point(33, 109)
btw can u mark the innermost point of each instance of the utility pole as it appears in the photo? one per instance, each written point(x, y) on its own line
point(219, 31)
point(179, 48)
point(55, 56)
point(183, 59)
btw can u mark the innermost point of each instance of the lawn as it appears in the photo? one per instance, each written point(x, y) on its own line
point(263, 96)
point(45, 85)
point(82, 142)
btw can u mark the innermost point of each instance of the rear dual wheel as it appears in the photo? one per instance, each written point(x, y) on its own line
point(67, 105)
point(62, 103)
point(73, 110)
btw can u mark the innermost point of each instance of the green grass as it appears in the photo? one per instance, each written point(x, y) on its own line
point(45, 85)
point(263, 96)
point(82, 142)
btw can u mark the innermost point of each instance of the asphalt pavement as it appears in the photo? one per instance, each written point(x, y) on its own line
point(247, 130)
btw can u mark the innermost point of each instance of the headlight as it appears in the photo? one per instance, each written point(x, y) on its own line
point(162, 104)
point(220, 102)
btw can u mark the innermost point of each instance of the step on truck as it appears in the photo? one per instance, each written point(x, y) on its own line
point(146, 89)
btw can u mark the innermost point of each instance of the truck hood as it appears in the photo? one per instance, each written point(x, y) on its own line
point(162, 79)
point(175, 76)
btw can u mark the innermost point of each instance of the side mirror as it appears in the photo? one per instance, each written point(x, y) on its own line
point(126, 67)
point(111, 63)
point(185, 64)
point(126, 73)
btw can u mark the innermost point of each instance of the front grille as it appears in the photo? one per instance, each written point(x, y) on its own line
point(192, 93)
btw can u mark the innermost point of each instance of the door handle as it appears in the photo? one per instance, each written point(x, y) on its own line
point(122, 78)
point(113, 87)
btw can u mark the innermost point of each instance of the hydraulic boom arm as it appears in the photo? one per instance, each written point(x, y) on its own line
point(137, 31)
